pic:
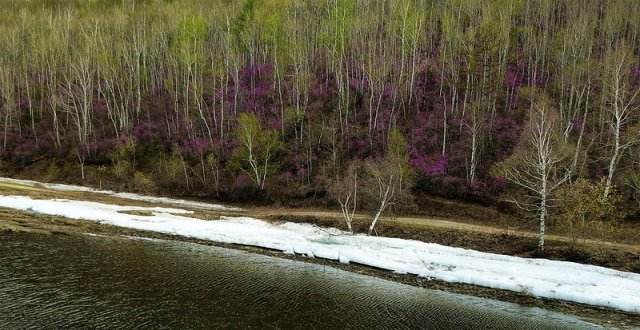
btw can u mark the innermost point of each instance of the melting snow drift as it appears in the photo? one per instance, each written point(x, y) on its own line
point(125, 195)
point(586, 284)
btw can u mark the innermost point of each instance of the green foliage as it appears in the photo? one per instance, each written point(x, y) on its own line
point(242, 21)
point(387, 181)
point(633, 179)
point(142, 183)
point(189, 39)
point(169, 171)
point(273, 32)
point(341, 19)
point(123, 151)
point(257, 149)
point(398, 154)
point(123, 158)
point(96, 4)
point(618, 64)
point(213, 169)
point(52, 170)
point(68, 169)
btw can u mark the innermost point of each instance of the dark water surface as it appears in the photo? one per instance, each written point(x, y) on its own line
point(65, 282)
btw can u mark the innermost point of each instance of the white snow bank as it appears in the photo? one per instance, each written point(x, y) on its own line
point(586, 284)
point(125, 195)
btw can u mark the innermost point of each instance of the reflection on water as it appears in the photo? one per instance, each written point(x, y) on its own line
point(89, 282)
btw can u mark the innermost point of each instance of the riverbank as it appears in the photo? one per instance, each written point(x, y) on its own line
point(95, 281)
point(53, 225)
point(489, 235)
point(49, 224)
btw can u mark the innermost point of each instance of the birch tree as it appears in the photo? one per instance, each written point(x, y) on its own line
point(7, 100)
point(79, 103)
point(257, 148)
point(345, 191)
point(538, 166)
point(389, 179)
point(621, 108)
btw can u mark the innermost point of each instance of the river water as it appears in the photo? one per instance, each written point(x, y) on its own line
point(68, 282)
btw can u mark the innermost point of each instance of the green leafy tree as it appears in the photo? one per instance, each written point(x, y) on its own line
point(257, 148)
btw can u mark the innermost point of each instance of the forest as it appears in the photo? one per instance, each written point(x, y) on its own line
point(533, 106)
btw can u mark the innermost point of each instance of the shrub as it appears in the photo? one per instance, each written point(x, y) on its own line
point(52, 170)
point(68, 169)
point(123, 158)
point(143, 184)
point(122, 170)
point(4, 168)
point(171, 173)
point(584, 212)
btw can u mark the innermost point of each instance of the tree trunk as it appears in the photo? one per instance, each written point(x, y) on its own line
point(614, 160)
point(543, 215)
point(383, 205)
point(375, 219)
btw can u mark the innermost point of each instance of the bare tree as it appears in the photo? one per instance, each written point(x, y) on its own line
point(345, 191)
point(634, 183)
point(621, 108)
point(7, 100)
point(79, 103)
point(537, 166)
point(389, 179)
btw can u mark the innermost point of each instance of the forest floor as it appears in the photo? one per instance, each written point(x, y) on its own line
point(490, 235)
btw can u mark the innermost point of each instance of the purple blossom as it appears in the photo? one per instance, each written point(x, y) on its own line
point(194, 147)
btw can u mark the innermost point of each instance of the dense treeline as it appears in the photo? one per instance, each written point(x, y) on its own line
point(218, 96)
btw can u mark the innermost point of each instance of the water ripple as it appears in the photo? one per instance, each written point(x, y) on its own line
point(99, 282)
